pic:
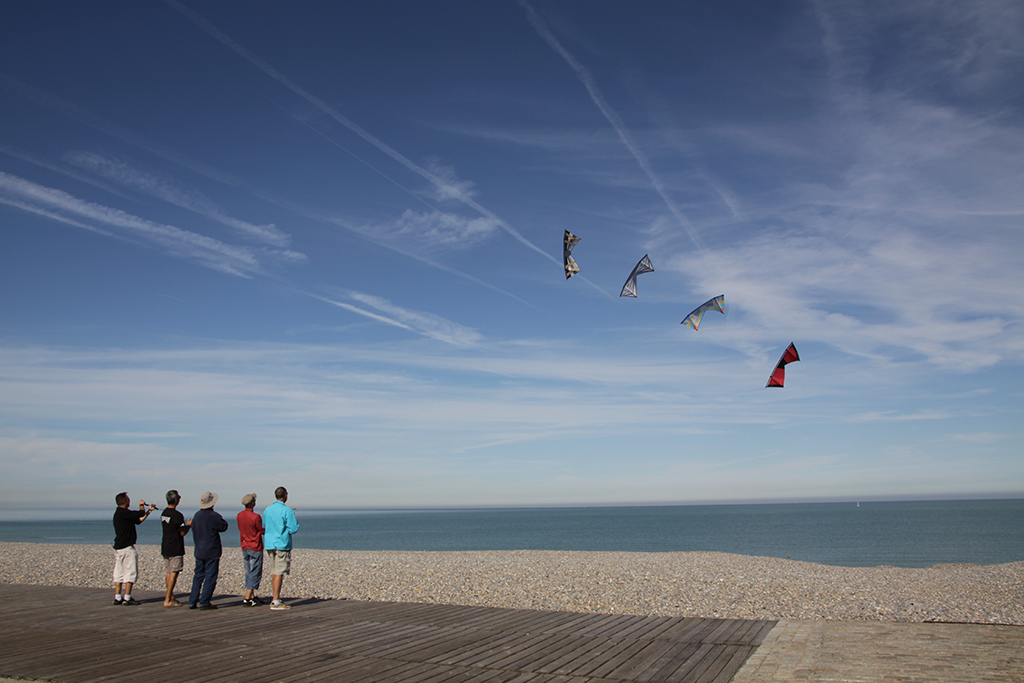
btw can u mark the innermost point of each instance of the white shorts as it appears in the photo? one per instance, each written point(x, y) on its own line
point(126, 565)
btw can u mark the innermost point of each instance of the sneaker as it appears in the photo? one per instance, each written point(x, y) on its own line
point(279, 605)
point(256, 601)
point(130, 601)
point(248, 602)
point(117, 602)
point(210, 606)
point(192, 606)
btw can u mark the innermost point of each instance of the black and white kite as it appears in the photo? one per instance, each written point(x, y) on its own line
point(629, 289)
point(570, 263)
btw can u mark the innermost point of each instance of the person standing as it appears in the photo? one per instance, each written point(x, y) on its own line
point(207, 526)
point(280, 523)
point(173, 545)
point(250, 532)
point(126, 558)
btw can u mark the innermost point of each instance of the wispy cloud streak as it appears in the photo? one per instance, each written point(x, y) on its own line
point(444, 187)
point(87, 118)
point(426, 324)
point(587, 79)
point(173, 193)
point(61, 168)
point(61, 206)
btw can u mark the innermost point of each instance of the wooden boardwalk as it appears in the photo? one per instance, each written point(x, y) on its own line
point(75, 635)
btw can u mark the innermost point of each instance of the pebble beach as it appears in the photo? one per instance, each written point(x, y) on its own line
point(689, 584)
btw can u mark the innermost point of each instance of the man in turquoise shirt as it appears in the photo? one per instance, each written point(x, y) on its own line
point(279, 523)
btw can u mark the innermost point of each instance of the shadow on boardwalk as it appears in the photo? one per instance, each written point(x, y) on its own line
point(75, 635)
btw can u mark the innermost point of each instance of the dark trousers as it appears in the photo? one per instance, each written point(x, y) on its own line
point(204, 581)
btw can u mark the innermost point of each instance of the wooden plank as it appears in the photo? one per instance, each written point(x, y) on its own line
point(605, 623)
point(613, 655)
point(481, 649)
point(423, 646)
point(763, 633)
point(523, 658)
point(670, 662)
point(724, 634)
point(701, 665)
point(687, 665)
point(570, 657)
point(647, 659)
point(73, 635)
point(503, 655)
point(739, 657)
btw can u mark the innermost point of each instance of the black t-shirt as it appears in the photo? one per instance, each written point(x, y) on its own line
point(124, 526)
point(173, 523)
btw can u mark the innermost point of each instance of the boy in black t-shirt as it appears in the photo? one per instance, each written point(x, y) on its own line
point(126, 558)
point(173, 545)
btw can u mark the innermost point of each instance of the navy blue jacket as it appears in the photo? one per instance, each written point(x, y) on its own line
point(207, 526)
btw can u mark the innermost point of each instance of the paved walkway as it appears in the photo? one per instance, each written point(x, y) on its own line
point(870, 651)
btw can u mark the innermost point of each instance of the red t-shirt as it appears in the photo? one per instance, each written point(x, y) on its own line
point(250, 530)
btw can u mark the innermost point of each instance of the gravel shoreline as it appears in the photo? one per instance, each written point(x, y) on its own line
point(690, 584)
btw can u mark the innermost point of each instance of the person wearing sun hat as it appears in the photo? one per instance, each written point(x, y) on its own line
point(207, 526)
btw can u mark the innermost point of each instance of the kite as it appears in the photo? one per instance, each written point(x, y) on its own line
point(629, 289)
point(693, 320)
point(778, 377)
point(570, 263)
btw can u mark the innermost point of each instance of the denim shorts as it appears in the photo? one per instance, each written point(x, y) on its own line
point(253, 562)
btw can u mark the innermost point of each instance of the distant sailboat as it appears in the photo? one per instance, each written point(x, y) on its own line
point(858, 503)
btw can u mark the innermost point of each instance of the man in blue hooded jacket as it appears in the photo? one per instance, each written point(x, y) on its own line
point(207, 526)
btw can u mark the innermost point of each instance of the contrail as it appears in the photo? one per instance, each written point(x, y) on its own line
point(358, 158)
point(587, 79)
point(351, 125)
point(87, 118)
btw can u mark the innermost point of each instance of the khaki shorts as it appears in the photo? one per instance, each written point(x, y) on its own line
point(174, 564)
point(280, 561)
point(126, 565)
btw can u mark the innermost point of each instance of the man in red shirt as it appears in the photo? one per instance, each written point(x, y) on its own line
point(250, 531)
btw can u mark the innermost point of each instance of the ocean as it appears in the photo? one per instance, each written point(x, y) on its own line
point(900, 534)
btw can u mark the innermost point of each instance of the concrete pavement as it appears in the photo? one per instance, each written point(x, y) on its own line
point(869, 651)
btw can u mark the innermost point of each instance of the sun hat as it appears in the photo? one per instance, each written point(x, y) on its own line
point(248, 498)
point(207, 500)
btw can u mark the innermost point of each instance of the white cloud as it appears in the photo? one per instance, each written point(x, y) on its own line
point(980, 437)
point(428, 324)
point(174, 192)
point(448, 186)
point(63, 207)
point(433, 232)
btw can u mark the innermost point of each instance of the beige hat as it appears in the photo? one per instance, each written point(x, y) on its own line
point(207, 500)
point(248, 498)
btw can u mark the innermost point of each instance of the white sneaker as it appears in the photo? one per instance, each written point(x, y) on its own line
point(279, 605)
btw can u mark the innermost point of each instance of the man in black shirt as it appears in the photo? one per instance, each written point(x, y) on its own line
point(126, 558)
point(207, 526)
point(173, 546)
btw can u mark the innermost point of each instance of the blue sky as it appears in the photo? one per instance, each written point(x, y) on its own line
point(319, 244)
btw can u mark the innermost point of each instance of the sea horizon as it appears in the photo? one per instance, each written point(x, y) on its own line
point(25, 513)
point(871, 533)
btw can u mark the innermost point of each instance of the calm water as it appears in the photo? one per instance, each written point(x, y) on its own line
point(902, 534)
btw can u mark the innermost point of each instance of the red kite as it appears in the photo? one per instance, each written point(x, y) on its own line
point(778, 378)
